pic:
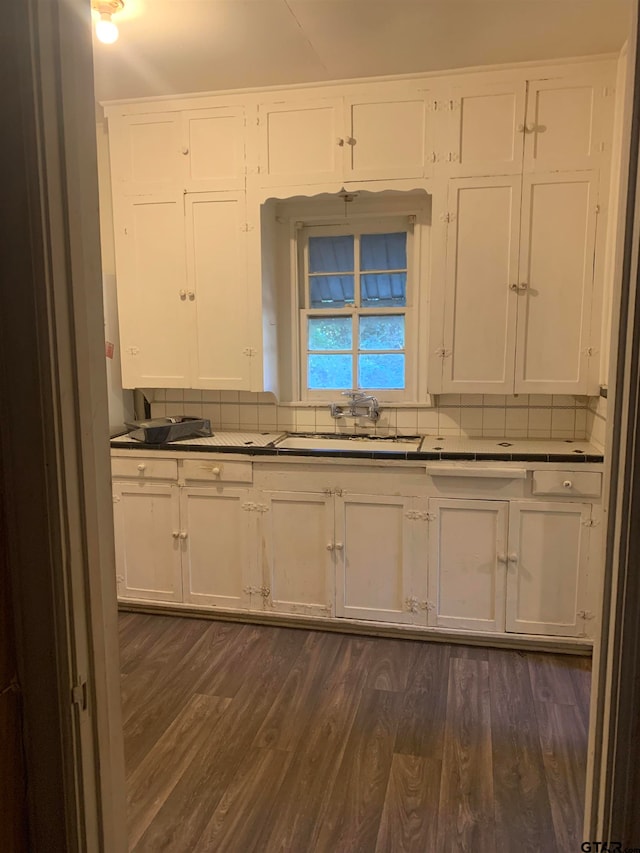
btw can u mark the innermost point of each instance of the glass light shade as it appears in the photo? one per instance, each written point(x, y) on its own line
point(106, 30)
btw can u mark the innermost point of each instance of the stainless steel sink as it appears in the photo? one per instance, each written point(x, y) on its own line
point(354, 444)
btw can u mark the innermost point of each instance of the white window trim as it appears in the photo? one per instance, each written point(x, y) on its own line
point(369, 223)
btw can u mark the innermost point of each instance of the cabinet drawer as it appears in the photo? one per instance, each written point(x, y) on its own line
point(585, 484)
point(141, 468)
point(216, 470)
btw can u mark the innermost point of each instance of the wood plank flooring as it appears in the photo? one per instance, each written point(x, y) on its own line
point(253, 739)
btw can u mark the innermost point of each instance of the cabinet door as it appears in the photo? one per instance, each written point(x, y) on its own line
point(467, 564)
point(218, 553)
point(217, 290)
point(481, 269)
point(213, 149)
point(147, 525)
point(145, 153)
point(377, 567)
point(153, 309)
point(301, 142)
point(486, 129)
point(295, 552)
point(375, 148)
point(548, 562)
point(557, 247)
point(565, 124)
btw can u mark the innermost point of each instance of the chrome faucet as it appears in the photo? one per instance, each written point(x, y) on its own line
point(361, 405)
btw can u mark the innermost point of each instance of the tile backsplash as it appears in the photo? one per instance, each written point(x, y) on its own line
point(473, 415)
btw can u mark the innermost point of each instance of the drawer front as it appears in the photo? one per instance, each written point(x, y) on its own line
point(216, 471)
point(583, 484)
point(143, 468)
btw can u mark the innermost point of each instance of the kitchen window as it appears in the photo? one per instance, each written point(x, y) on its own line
point(355, 298)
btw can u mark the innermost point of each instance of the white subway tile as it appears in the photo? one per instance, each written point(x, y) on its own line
point(517, 421)
point(539, 419)
point(210, 396)
point(192, 395)
point(493, 422)
point(563, 420)
point(229, 397)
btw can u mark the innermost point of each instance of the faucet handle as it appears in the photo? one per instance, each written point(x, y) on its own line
point(352, 395)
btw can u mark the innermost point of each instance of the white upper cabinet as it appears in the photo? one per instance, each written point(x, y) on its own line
point(557, 246)
point(485, 128)
point(546, 125)
point(191, 150)
point(213, 149)
point(301, 142)
point(366, 138)
point(481, 269)
point(565, 125)
point(152, 291)
point(386, 138)
point(217, 295)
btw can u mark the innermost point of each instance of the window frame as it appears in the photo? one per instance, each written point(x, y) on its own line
point(356, 225)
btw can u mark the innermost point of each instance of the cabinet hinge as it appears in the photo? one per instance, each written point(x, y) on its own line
point(250, 351)
point(590, 522)
point(588, 351)
point(246, 227)
point(133, 350)
point(443, 353)
point(597, 208)
point(585, 614)
point(447, 217)
point(79, 694)
point(250, 506)
point(419, 515)
point(452, 157)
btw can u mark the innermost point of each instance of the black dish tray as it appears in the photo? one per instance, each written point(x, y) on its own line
point(163, 430)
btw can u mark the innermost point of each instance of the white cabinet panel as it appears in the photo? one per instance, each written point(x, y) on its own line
point(145, 153)
point(548, 564)
point(217, 552)
point(556, 274)
point(377, 569)
point(217, 290)
point(152, 299)
point(147, 526)
point(467, 564)
point(301, 142)
point(486, 133)
point(295, 552)
point(213, 149)
point(482, 264)
point(563, 126)
point(387, 138)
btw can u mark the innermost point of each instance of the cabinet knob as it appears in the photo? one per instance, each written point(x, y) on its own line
point(340, 141)
point(175, 534)
point(216, 471)
point(330, 546)
point(185, 150)
point(141, 466)
point(523, 285)
point(183, 534)
point(502, 558)
point(339, 546)
point(513, 286)
point(567, 484)
point(521, 128)
point(350, 140)
point(513, 557)
point(191, 295)
point(183, 294)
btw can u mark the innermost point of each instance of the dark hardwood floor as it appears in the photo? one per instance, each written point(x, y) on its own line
point(246, 738)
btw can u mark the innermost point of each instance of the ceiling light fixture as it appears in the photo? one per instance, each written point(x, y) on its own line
point(106, 30)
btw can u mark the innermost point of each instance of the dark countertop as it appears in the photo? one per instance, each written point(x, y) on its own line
point(431, 447)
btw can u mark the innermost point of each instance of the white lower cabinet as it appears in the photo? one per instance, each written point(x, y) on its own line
point(341, 554)
point(519, 566)
point(146, 518)
point(379, 573)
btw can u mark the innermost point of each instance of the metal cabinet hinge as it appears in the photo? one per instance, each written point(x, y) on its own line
point(250, 506)
point(447, 217)
point(585, 614)
point(590, 522)
point(79, 694)
point(249, 351)
point(419, 515)
point(588, 351)
point(246, 226)
point(133, 350)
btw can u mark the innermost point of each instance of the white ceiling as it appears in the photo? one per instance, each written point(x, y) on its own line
point(177, 46)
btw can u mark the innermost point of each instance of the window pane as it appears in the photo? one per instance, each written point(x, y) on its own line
point(329, 333)
point(330, 291)
point(331, 254)
point(383, 251)
point(382, 332)
point(381, 371)
point(384, 289)
point(329, 371)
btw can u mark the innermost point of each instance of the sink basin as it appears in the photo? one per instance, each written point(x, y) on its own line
point(355, 444)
